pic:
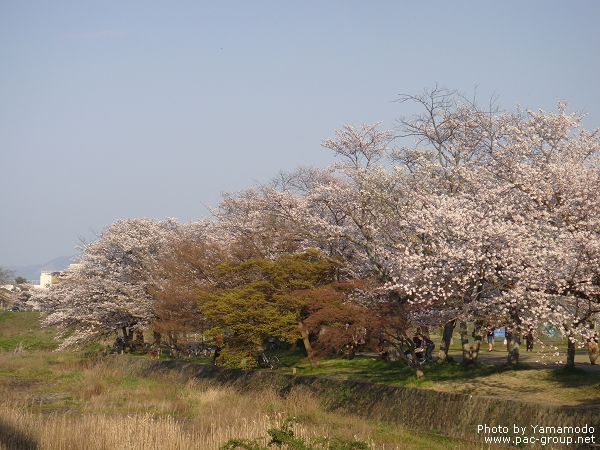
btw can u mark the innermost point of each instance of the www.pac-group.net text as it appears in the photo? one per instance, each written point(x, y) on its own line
point(537, 434)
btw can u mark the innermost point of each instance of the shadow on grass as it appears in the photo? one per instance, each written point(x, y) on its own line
point(575, 377)
point(398, 373)
point(11, 438)
point(374, 369)
point(585, 380)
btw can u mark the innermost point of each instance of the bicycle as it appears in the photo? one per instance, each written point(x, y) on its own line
point(265, 360)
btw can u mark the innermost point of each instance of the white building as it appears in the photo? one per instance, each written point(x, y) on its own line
point(48, 278)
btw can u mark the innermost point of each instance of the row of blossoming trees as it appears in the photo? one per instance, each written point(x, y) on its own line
point(490, 217)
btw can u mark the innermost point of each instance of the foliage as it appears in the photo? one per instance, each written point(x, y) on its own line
point(259, 298)
point(283, 438)
point(111, 287)
point(333, 321)
point(490, 216)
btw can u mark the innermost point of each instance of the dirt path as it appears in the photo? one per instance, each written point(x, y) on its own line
point(537, 357)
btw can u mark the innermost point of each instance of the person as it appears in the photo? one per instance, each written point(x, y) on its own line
point(119, 344)
point(418, 345)
point(360, 345)
point(529, 337)
point(383, 349)
point(429, 346)
point(489, 331)
point(351, 352)
point(418, 341)
point(423, 348)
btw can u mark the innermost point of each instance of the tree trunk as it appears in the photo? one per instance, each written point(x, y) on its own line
point(469, 351)
point(464, 342)
point(139, 339)
point(593, 345)
point(309, 350)
point(172, 338)
point(478, 333)
point(513, 347)
point(127, 338)
point(414, 363)
point(446, 338)
point(157, 339)
point(570, 352)
point(593, 352)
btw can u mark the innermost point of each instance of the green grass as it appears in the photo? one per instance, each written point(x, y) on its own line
point(372, 369)
point(77, 383)
point(22, 330)
point(526, 382)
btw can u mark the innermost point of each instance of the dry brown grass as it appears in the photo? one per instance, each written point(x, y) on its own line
point(25, 430)
point(101, 431)
point(55, 401)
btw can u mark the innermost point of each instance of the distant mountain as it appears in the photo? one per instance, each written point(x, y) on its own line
point(33, 272)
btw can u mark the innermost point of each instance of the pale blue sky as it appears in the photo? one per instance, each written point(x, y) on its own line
point(115, 109)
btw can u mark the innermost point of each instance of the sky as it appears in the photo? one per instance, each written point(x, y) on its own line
point(113, 109)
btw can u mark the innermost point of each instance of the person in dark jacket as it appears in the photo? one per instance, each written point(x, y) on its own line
point(428, 347)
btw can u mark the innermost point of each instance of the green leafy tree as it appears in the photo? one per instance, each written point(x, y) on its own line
point(258, 298)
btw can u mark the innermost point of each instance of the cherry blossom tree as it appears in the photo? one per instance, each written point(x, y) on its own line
point(452, 137)
point(336, 209)
point(552, 167)
point(514, 237)
point(489, 216)
point(109, 290)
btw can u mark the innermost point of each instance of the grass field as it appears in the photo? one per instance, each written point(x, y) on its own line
point(62, 401)
point(547, 384)
point(66, 400)
point(22, 330)
point(530, 381)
